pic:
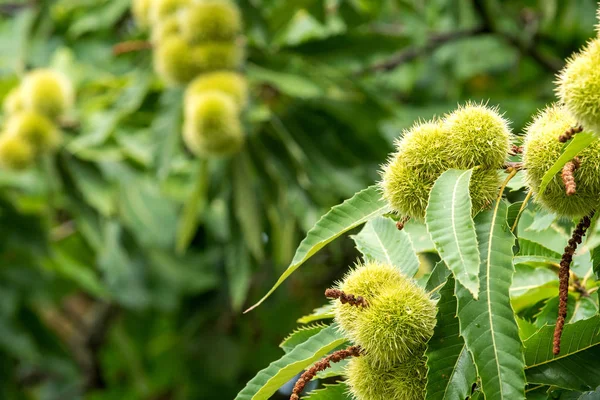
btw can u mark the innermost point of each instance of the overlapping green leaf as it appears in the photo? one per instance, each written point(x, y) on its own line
point(267, 381)
point(577, 367)
point(535, 253)
point(363, 206)
point(451, 369)
point(381, 241)
point(339, 391)
point(488, 324)
point(300, 335)
point(451, 227)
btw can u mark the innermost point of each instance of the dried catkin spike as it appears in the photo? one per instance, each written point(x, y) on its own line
point(568, 176)
point(569, 133)
point(346, 298)
point(309, 374)
point(563, 277)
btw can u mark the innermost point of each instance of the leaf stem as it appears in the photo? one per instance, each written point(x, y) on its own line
point(511, 174)
point(525, 201)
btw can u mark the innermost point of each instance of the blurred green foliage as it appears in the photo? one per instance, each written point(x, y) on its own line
point(94, 301)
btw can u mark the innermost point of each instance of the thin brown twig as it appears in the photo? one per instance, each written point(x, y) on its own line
point(131, 46)
point(435, 41)
point(346, 298)
point(563, 276)
point(568, 176)
point(323, 364)
point(569, 133)
point(529, 49)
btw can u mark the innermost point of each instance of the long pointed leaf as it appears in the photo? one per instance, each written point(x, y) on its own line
point(451, 227)
point(267, 381)
point(381, 241)
point(488, 324)
point(451, 369)
point(577, 366)
point(357, 210)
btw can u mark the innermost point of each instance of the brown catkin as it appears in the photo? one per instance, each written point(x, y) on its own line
point(346, 298)
point(563, 277)
point(569, 133)
point(323, 364)
point(568, 176)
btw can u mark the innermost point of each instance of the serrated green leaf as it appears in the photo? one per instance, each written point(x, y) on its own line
point(549, 311)
point(381, 241)
point(353, 212)
point(513, 213)
point(300, 335)
point(339, 391)
point(437, 279)
point(585, 308)
point(534, 296)
point(267, 381)
point(449, 222)
point(488, 324)
point(323, 312)
point(578, 143)
point(577, 367)
point(535, 253)
point(531, 285)
point(451, 370)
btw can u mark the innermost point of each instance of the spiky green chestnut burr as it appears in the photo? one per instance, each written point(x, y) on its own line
point(15, 153)
point(541, 149)
point(422, 155)
point(13, 102)
point(161, 9)
point(166, 28)
point(365, 280)
point(230, 83)
point(141, 12)
point(36, 129)
point(174, 61)
point(212, 125)
point(214, 56)
point(47, 92)
point(579, 86)
point(478, 136)
point(209, 20)
point(404, 381)
point(397, 323)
